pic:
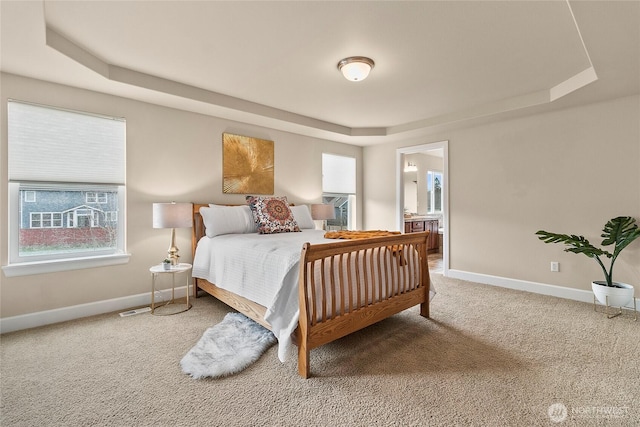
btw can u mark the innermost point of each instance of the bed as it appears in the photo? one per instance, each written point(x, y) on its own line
point(306, 289)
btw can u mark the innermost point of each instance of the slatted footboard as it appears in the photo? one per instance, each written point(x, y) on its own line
point(347, 286)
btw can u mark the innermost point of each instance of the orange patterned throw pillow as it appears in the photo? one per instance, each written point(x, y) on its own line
point(272, 214)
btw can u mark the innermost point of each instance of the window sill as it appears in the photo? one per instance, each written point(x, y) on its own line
point(41, 267)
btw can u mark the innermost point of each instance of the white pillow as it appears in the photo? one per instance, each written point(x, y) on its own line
point(303, 216)
point(252, 227)
point(227, 220)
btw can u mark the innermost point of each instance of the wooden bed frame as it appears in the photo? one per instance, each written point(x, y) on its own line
point(374, 272)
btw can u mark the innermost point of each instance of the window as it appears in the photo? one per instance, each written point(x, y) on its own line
point(29, 196)
point(64, 207)
point(45, 220)
point(93, 197)
point(339, 189)
point(111, 216)
point(434, 192)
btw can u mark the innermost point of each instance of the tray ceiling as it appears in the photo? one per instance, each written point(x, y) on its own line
point(274, 63)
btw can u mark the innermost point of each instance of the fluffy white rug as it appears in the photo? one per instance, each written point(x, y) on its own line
point(227, 348)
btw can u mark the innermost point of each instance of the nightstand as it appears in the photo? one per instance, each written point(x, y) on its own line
point(158, 270)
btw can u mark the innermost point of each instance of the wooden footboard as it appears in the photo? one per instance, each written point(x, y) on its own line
point(347, 286)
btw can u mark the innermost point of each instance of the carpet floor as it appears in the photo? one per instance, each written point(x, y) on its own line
point(488, 357)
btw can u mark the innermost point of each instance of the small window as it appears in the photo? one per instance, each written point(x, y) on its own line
point(29, 196)
point(434, 192)
point(344, 207)
point(111, 216)
point(45, 220)
point(339, 190)
point(93, 197)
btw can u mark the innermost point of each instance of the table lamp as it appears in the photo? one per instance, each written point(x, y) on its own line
point(172, 215)
point(323, 212)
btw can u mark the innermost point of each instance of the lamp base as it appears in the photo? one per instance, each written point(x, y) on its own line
point(174, 257)
point(172, 252)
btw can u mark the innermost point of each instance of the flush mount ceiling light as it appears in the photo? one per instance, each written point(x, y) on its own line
point(355, 68)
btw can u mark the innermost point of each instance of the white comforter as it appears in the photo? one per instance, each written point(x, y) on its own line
point(261, 267)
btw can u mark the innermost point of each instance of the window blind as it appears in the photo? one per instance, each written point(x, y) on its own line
point(54, 145)
point(338, 174)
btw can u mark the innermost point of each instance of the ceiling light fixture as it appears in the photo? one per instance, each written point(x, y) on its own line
point(411, 167)
point(355, 68)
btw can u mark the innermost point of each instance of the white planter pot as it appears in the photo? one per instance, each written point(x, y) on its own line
point(614, 297)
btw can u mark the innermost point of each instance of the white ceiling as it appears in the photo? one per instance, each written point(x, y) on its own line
point(274, 63)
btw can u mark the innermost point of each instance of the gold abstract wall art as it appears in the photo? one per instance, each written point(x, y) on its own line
point(247, 165)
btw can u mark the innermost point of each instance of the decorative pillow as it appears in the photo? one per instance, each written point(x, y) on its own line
point(227, 220)
point(303, 216)
point(250, 223)
point(272, 214)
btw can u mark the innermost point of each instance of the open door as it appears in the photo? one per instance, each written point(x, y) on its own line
point(420, 170)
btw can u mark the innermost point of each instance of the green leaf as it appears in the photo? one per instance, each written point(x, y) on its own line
point(577, 244)
point(622, 231)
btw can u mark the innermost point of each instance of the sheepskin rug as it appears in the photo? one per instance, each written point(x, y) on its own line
point(227, 348)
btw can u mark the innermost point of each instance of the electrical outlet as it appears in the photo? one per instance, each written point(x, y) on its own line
point(555, 266)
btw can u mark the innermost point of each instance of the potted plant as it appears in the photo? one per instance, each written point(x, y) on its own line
point(620, 232)
point(166, 264)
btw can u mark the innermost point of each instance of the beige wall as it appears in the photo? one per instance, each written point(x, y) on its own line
point(172, 155)
point(567, 171)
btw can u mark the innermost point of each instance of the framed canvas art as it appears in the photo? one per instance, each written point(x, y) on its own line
point(247, 165)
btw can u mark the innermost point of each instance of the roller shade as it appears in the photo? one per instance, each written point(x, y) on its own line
point(54, 145)
point(338, 174)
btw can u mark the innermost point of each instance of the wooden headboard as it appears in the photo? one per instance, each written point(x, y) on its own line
point(197, 231)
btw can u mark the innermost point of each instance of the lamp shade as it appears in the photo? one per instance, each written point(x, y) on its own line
point(323, 212)
point(172, 215)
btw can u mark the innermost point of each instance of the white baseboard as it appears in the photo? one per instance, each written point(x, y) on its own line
point(523, 285)
point(41, 318)
point(537, 288)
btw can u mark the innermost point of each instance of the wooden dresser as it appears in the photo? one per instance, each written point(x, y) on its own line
point(416, 225)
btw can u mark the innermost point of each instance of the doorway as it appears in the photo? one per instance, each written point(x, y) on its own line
point(436, 149)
